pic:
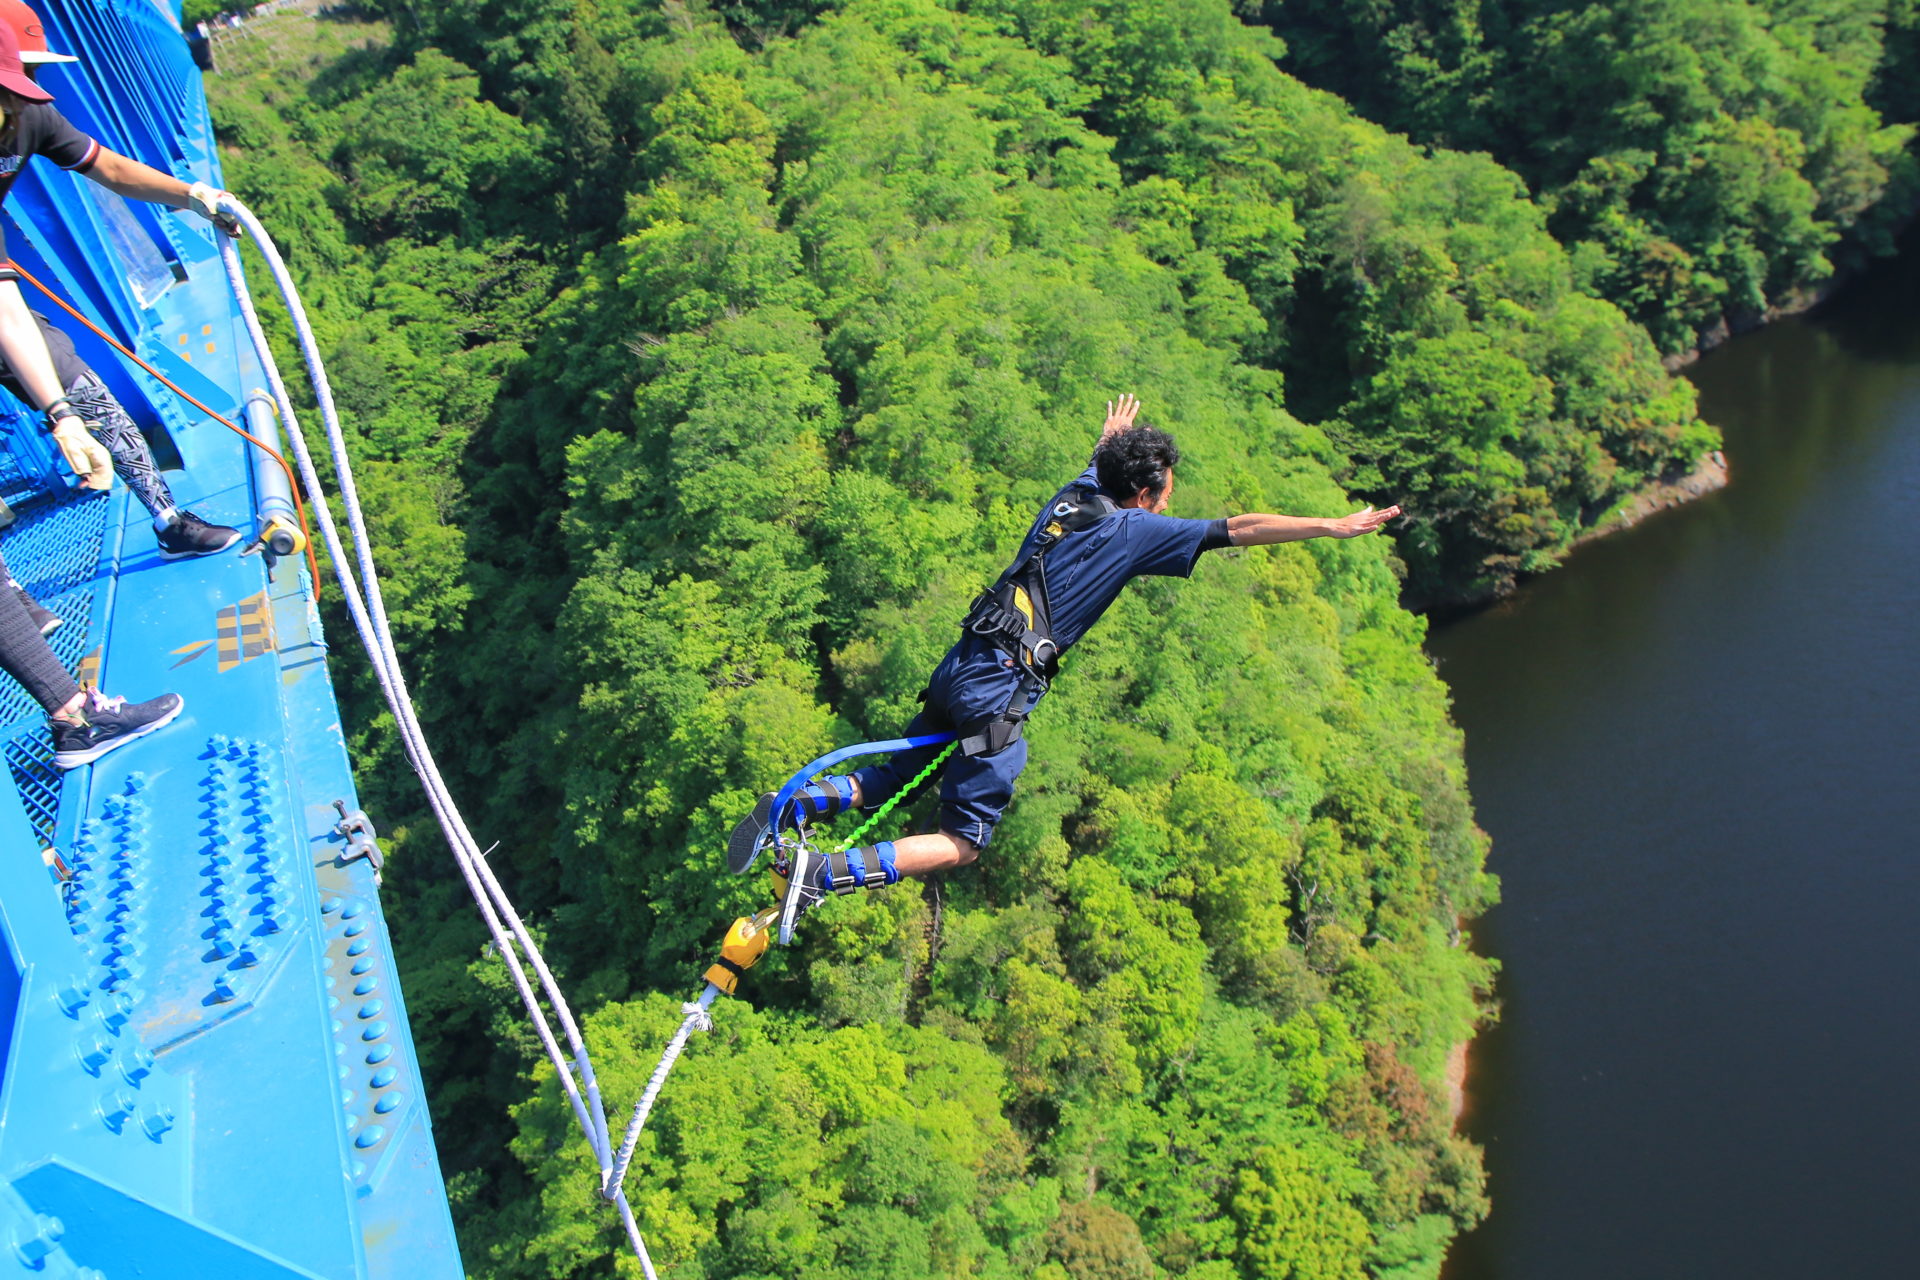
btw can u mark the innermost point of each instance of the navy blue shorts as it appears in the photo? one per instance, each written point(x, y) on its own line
point(974, 682)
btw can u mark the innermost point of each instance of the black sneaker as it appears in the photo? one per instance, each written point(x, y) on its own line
point(110, 723)
point(189, 535)
point(44, 618)
point(750, 837)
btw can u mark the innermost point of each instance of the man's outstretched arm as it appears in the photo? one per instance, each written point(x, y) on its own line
point(1255, 530)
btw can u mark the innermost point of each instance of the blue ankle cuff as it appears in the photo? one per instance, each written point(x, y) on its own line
point(818, 801)
point(857, 866)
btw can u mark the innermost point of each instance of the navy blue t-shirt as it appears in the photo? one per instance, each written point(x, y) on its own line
point(1085, 573)
point(1086, 570)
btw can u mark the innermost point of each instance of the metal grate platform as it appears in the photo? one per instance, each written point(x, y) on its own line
point(53, 550)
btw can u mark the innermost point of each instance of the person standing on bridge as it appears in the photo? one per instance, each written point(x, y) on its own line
point(38, 362)
point(1100, 532)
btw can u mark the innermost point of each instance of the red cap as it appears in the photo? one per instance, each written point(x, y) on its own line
point(12, 74)
point(31, 32)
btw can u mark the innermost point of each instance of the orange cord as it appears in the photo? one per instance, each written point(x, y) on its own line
point(293, 486)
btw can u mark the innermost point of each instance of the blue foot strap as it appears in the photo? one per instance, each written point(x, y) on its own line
point(868, 867)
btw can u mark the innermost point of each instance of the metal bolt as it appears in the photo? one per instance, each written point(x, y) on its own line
point(116, 1009)
point(95, 1052)
point(116, 1106)
point(156, 1120)
point(136, 1064)
point(33, 1249)
point(73, 997)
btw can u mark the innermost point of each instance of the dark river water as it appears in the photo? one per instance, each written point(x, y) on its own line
point(1694, 748)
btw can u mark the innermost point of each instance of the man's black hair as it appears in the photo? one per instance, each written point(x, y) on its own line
point(1138, 458)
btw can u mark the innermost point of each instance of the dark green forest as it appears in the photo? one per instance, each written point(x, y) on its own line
point(704, 359)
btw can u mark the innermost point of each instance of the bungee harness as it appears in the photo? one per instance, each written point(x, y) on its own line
point(1014, 613)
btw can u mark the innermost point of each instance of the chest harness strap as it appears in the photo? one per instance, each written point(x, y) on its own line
point(1014, 613)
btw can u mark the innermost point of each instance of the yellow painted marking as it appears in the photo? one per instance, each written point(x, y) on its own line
point(197, 648)
point(183, 339)
point(209, 348)
point(206, 329)
point(89, 672)
point(187, 356)
point(245, 630)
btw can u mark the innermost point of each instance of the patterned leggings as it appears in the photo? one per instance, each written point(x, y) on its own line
point(24, 655)
point(112, 427)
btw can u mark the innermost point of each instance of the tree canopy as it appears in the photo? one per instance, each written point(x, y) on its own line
point(704, 360)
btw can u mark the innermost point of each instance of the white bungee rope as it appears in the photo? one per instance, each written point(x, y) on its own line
point(510, 936)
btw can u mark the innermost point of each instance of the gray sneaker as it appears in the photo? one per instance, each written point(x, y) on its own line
point(753, 834)
point(108, 723)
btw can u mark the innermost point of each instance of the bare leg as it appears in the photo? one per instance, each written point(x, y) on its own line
point(924, 855)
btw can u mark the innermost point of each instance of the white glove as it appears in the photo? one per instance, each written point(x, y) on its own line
point(87, 456)
point(205, 201)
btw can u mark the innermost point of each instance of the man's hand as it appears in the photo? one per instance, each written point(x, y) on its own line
point(1120, 414)
point(205, 201)
point(87, 456)
point(1365, 520)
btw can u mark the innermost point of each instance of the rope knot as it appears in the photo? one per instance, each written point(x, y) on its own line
point(697, 1018)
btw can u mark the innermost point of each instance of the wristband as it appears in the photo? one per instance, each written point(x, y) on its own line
point(59, 409)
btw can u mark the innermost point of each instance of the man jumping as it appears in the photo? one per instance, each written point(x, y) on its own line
point(1093, 537)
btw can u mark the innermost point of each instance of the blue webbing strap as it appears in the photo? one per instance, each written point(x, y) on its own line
point(785, 795)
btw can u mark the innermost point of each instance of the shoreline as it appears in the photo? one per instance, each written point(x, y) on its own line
point(1457, 1080)
point(1709, 475)
point(1729, 327)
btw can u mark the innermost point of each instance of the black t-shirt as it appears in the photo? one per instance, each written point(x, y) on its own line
point(39, 130)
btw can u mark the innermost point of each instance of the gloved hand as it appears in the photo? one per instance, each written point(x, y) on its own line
point(87, 456)
point(204, 200)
